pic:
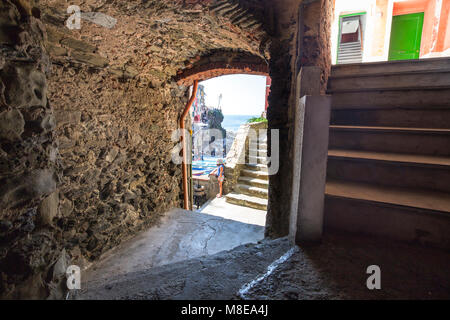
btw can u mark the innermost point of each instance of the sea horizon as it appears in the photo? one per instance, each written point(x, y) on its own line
point(232, 122)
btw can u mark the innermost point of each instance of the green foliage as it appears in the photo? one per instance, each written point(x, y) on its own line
point(256, 119)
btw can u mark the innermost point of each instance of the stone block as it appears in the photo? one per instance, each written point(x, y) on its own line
point(49, 208)
point(78, 45)
point(25, 86)
point(11, 125)
point(56, 50)
point(310, 164)
point(67, 117)
point(90, 59)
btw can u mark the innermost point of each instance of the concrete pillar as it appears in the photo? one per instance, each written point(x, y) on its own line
point(310, 162)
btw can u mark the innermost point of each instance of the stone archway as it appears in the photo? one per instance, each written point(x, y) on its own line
point(222, 63)
point(113, 100)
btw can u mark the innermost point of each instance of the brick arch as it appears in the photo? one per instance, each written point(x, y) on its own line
point(219, 64)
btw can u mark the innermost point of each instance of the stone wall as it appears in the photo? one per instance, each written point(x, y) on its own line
point(91, 165)
point(117, 103)
point(29, 166)
point(301, 37)
point(115, 145)
point(315, 45)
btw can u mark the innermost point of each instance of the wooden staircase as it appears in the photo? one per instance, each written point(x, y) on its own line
point(253, 183)
point(389, 152)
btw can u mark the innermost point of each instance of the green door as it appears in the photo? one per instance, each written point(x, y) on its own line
point(406, 35)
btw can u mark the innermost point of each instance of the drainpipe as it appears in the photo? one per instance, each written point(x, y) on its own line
point(183, 141)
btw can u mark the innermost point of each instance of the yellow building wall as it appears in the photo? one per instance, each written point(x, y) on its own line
point(379, 35)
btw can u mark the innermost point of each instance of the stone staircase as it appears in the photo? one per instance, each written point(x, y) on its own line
point(350, 53)
point(389, 151)
point(252, 186)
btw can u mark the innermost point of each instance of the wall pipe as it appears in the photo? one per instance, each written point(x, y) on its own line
point(183, 141)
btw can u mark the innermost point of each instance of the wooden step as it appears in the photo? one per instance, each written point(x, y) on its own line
point(391, 139)
point(396, 117)
point(408, 197)
point(417, 215)
point(373, 68)
point(252, 191)
point(390, 81)
point(246, 201)
point(254, 182)
point(390, 99)
point(390, 169)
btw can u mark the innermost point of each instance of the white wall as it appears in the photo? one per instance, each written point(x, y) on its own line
point(343, 7)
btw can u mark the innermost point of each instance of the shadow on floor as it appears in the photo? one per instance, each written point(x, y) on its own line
point(218, 276)
point(336, 269)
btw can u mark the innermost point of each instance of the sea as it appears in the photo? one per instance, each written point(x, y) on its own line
point(233, 122)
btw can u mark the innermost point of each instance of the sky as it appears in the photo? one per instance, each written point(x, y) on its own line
point(242, 94)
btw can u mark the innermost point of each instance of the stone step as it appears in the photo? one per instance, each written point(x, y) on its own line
point(258, 146)
point(350, 53)
point(350, 60)
point(257, 160)
point(256, 167)
point(252, 191)
point(390, 81)
point(395, 117)
point(391, 99)
point(399, 213)
point(350, 45)
point(246, 201)
point(263, 175)
point(220, 6)
point(254, 182)
point(345, 49)
point(227, 10)
point(260, 153)
point(371, 68)
point(390, 169)
point(421, 141)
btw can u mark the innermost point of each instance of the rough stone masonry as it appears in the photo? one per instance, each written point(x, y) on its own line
point(86, 118)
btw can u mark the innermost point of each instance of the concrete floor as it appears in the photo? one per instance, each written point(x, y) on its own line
point(182, 235)
point(335, 269)
point(197, 255)
point(219, 207)
point(218, 276)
